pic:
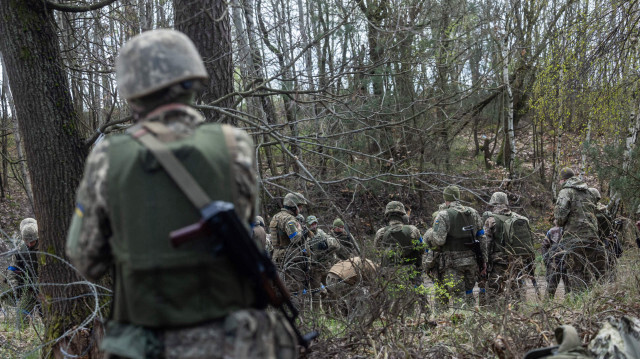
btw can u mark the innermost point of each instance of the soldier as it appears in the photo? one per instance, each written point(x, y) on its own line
point(290, 250)
point(553, 257)
point(348, 245)
point(187, 302)
point(23, 271)
point(456, 233)
point(605, 231)
point(401, 243)
point(323, 248)
point(259, 234)
point(575, 213)
point(510, 247)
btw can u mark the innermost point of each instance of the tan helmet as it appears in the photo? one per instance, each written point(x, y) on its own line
point(157, 59)
point(29, 230)
point(595, 193)
point(294, 199)
point(451, 193)
point(499, 198)
point(394, 207)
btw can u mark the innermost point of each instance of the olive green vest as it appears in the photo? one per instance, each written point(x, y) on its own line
point(157, 285)
point(456, 237)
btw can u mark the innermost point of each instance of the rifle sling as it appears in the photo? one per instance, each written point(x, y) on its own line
point(183, 179)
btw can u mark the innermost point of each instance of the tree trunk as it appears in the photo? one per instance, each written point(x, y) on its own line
point(207, 24)
point(55, 151)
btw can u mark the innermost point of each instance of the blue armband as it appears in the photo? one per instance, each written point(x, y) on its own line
point(293, 235)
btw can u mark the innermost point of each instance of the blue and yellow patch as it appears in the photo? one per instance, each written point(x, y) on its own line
point(79, 210)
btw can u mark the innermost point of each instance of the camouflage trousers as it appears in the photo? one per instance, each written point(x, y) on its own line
point(506, 280)
point(294, 267)
point(456, 283)
point(243, 334)
point(586, 262)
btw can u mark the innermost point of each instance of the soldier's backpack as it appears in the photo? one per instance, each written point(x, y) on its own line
point(514, 235)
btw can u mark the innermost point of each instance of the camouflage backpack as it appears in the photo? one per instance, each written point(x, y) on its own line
point(514, 235)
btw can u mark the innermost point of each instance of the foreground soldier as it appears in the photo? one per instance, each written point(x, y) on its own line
point(510, 247)
point(454, 231)
point(575, 212)
point(168, 302)
point(290, 250)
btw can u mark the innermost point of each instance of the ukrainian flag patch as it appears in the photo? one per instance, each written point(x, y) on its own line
point(79, 210)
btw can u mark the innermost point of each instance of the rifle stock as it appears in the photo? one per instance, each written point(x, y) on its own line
point(220, 220)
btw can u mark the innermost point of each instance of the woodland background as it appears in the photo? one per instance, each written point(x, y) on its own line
point(351, 102)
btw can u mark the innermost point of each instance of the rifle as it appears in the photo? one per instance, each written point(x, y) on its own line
point(475, 247)
point(220, 220)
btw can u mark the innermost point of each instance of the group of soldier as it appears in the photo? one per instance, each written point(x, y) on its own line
point(495, 251)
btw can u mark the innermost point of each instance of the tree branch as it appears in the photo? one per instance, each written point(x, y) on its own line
point(71, 8)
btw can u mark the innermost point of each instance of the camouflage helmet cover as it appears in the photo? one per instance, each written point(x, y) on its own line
point(499, 198)
point(259, 221)
point(156, 59)
point(311, 220)
point(595, 193)
point(566, 173)
point(29, 230)
point(451, 193)
point(294, 199)
point(395, 207)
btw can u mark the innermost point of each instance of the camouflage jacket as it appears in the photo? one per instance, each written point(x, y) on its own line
point(575, 211)
point(285, 229)
point(323, 246)
point(416, 239)
point(437, 237)
point(494, 254)
point(348, 245)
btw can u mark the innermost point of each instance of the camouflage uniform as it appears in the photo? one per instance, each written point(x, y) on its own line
point(23, 271)
point(457, 271)
point(323, 248)
point(575, 212)
point(553, 256)
point(348, 245)
point(170, 61)
point(290, 250)
point(259, 234)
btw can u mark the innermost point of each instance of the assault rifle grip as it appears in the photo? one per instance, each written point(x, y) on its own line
point(185, 234)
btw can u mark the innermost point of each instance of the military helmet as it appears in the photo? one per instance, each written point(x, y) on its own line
point(294, 199)
point(394, 207)
point(338, 222)
point(451, 193)
point(595, 193)
point(259, 221)
point(311, 220)
point(154, 60)
point(499, 198)
point(29, 230)
point(566, 173)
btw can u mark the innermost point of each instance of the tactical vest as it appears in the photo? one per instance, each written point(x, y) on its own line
point(157, 285)
point(512, 235)
point(456, 236)
point(400, 236)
